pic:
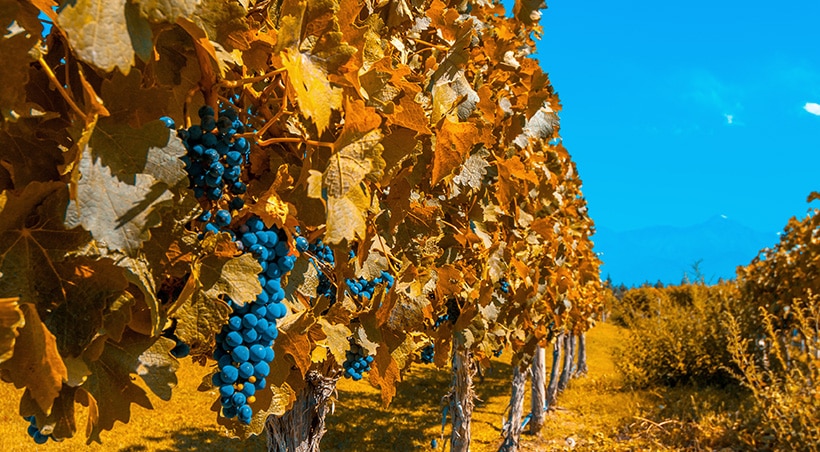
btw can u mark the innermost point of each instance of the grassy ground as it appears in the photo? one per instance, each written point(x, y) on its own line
point(595, 413)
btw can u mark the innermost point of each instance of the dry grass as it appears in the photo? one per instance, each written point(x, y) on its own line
point(596, 412)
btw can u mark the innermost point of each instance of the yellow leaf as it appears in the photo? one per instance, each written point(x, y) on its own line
point(99, 34)
point(345, 216)
point(313, 93)
point(318, 355)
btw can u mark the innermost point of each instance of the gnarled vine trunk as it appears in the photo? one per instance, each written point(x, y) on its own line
point(582, 355)
point(566, 372)
point(460, 400)
point(512, 429)
point(552, 388)
point(539, 389)
point(301, 429)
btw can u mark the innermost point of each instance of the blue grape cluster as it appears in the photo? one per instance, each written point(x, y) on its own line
point(323, 254)
point(181, 349)
point(504, 285)
point(243, 351)
point(215, 157)
point(364, 288)
point(34, 432)
point(215, 222)
point(452, 314)
point(357, 362)
point(428, 353)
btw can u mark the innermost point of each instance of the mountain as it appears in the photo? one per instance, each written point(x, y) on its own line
point(664, 253)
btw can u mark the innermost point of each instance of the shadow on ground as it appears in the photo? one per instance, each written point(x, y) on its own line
point(194, 439)
point(414, 416)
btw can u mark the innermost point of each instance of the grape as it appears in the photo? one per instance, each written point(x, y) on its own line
point(168, 121)
point(234, 338)
point(246, 370)
point(245, 412)
point(205, 110)
point(261, 369)
point(257, 353)
point(240, 354)
point(229, 374)
point(428, 353)
point(238, 399)
point(34, 431)
point(249, 320)
point(226, 390)
point(356, 362)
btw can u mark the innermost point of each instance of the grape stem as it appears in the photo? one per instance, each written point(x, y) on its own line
point(271, 141)
point(62, 90)
point(248, 80)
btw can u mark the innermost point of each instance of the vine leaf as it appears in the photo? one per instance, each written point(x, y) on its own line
point(311, 89)
point(166, 10)
point(91, 287)
point(36, 362)
point(199, 321)
point(234, 277)
point(385, 374)
point(15, 52)
point(60, 422)
point(348, 167)
point(11, 320)
point(32, 239)
point(28, 157)
point(128, 101)
point(110, 384)
point(337, 339)
point(454, 141)
point(345, 216)
point(151, 150)
point(98, 32)
point(293, 341)
point(117, 214)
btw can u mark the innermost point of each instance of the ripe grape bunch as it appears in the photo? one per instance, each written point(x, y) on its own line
point(323, 254)
point(243, 351)
point(215, 156)
point(357, 362)
point(452, 314)
point(363, 288)
point(35, 433)
point(428, 353)
point(504, 285)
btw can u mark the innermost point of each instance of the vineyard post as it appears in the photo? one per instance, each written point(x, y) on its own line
point(539, 388)
point(512, 428)
point(461, 397)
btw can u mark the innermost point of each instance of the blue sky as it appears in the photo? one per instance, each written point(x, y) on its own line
point(676, 112)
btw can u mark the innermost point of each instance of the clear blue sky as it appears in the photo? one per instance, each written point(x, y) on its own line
point(679, 111)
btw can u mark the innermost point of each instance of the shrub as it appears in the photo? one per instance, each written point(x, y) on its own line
point(679, 342)
point(784, 381)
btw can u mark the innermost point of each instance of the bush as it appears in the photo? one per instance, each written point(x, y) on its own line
point(679, 340)
point(783, 373)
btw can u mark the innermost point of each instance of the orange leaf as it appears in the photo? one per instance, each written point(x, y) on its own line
point(454, 141)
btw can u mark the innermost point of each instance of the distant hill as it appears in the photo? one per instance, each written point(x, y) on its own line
point(665, 252)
